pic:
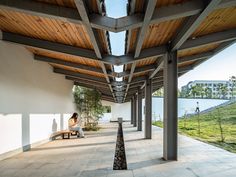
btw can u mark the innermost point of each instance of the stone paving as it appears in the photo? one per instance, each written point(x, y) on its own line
point(93, 157)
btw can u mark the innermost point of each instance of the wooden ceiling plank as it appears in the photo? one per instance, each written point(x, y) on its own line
point(191, 25)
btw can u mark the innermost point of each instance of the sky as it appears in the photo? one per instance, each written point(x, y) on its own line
point(219, 67)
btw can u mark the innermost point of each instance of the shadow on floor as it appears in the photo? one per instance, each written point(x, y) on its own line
point(72, 146)
point(138, 139)
point(147, 163)
point(92, 135)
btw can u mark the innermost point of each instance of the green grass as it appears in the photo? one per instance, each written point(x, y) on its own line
point(209, 127)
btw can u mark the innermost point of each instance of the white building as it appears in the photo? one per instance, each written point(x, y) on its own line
point(213, 85)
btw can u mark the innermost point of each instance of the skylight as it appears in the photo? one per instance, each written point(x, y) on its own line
point(116, 9)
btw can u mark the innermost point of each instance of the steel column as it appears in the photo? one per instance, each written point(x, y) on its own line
point(132, 111)
point(170, 106)
point(135, 111)
point(148, 109)
point(139, 111)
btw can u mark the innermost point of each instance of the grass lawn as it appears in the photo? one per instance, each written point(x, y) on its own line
point(210, 130)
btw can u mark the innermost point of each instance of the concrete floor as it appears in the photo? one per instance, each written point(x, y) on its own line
point(93, 157)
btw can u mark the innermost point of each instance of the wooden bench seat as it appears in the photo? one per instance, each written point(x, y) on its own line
point(65, 134)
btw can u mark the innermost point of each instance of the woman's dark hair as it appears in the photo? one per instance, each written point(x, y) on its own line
point(75, 115)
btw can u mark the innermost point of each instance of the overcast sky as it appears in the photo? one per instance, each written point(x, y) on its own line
point(219, 67)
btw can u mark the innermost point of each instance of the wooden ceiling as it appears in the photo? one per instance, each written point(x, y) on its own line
point(72, 36)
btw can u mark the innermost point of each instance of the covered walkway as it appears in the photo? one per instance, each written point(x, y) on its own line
point(93, 156)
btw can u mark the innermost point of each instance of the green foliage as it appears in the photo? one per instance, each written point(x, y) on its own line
point(88, 102)
point(159, 92)
point(218, 127)
point(197, 90)
point(232, 79)
point(107, 109)
point(208, 92)
point(222, 90)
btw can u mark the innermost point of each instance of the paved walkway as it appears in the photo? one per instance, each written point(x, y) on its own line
point(93, 157)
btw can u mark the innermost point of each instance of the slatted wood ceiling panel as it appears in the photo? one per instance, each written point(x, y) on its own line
point(89, 73)
point(147, 61)
point(102, 41)
point(66, 3)
point(140, 74)
point(133, 39)
point(139, 6)
point(188, 63)
point(198, 50)
point(218, 20)
point(44, 28)
point(64, 57)
point(161, 3)
point(160, 34)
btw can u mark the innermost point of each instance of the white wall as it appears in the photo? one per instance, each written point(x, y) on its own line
point(118, 110)
point(34, 101)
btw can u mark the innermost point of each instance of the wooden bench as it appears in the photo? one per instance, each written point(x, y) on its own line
point(65, 134)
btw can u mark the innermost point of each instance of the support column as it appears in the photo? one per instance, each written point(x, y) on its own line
point(139, 100)
point(135, 111)
point(132, 111)
point(170, 106)
point(148, 109)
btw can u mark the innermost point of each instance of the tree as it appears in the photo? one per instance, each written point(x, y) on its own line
point(222, 90)
point(159, 92)
point(88, 103)
point(208, 92)
point(232, 80)
point(197, 90)
point(219, 120)
point(193, 91)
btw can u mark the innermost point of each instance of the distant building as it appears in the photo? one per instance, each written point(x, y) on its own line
point(213, 87)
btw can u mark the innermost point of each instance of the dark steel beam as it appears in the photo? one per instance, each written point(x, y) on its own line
point(41, 9)
point(116, 25)
point(108, 99)
point(91, 87)
point(195, 57)
point(132, 21)
point(191, 24)
point(217, 37)
point(79, 75)
point(70, 64)
point(158, 68)
point(48, 45)
point(89, 68)
point(177, 11)
point(91, 83)
point(131, 10)
point(93, 34)
point(150, 7)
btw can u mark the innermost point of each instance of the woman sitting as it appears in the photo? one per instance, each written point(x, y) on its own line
point(74, 125)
